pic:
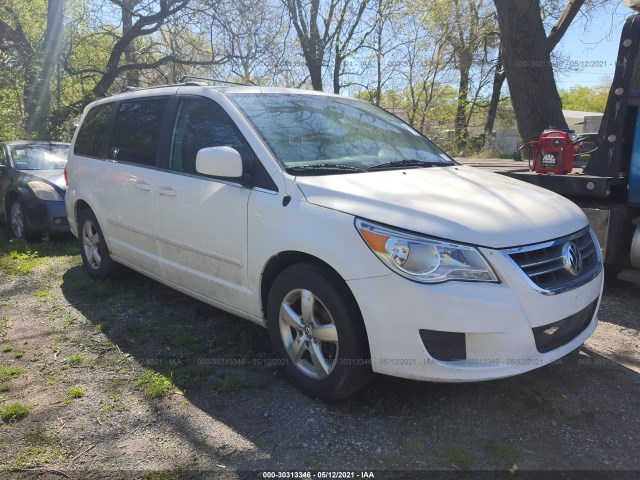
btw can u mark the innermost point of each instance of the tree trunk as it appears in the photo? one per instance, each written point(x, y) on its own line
point(380, 31)
point(315, 73)
point(130, 57)
point(312, 43)
point(337, 67)
point(461, 131)
point(30, 93)
point(527, 63)
point(498, 82)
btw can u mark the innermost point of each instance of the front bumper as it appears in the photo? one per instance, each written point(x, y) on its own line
point(498, 322)
point(45, 215)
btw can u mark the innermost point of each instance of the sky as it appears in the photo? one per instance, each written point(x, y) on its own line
point(591, 46)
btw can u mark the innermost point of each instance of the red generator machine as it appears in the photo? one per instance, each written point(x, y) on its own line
point(552, 153)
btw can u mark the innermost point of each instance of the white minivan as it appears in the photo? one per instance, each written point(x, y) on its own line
point(358, 243)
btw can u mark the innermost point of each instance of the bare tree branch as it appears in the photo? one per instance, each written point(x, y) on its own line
point(562, 25)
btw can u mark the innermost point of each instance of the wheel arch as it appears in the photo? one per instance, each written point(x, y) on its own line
point(9, 197)
point(79, 207)
point(282, 260)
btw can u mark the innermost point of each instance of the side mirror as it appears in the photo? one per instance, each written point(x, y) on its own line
point(219, 162)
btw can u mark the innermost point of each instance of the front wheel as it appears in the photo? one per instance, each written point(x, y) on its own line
point(18, 222)
point(318, 333)
point(93, 248)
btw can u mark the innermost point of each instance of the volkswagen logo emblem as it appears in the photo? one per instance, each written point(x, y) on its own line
point(572, 258)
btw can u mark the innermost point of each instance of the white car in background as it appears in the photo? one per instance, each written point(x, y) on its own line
point(358, 243)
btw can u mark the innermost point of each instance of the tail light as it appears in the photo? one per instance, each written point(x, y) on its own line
point(66, 180)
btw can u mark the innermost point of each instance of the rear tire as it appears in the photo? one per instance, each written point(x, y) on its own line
point(93, 248)
point(318, 333)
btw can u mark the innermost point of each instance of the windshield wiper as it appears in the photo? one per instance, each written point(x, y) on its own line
point(408, 163)
point(323, 168)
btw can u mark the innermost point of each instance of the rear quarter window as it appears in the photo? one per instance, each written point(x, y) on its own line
point(91, 140)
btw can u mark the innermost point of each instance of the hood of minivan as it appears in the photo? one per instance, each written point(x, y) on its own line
point(458, 203)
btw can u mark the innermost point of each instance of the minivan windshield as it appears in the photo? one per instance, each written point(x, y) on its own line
point(39, 156)
point(314, 134)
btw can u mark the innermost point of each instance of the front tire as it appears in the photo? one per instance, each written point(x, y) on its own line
point(18, 222)
point(93, 248)
point(318, 333)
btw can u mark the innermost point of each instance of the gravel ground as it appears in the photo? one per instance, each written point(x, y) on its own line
point(129, 379)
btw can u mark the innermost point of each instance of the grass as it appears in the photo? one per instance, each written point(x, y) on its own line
point(524, 402)
point(20, 262)
point(459, 457)
point(189, 342)
point(19, 354)
point(155, 385)
point(41, 293)
point(502, 454)
point(14, 411)
point(375, 408)
point(103, 327)
point(75, 392)
point(178, 472)
point(7, 372)
point(4, 388)
point(187, 375)
point(20, 258)
point(232, 384)
point(36, 455)
point(7, 348)
point(414, 446)
point(39, 438)
point(77, 359)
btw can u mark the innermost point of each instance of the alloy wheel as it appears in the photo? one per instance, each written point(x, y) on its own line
point(308, 333)
point(91, 245)
point(17, 220)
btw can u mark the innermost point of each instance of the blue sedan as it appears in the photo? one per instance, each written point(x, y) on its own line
point(32, 187)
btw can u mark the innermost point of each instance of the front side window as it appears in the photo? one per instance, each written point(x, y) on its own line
point(39, 156)
point(3, 161)
point(91, 137)
point(201, 124)
point(136, 131)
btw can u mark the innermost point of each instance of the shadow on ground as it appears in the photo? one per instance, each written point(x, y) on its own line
point(574, 414)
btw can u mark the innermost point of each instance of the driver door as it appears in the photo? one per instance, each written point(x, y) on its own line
point(201, 221)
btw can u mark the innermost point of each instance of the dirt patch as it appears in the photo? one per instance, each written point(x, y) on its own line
point(130, 376)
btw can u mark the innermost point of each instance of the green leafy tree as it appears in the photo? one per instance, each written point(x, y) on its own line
point(587, 99)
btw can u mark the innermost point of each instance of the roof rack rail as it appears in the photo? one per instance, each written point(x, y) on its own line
point(129, 88)
point(185, 78)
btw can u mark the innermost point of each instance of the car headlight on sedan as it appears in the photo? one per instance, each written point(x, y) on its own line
point(423, 259)
point(44, 191)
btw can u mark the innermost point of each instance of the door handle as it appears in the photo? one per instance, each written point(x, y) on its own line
point(167, 191)
point(145, 187)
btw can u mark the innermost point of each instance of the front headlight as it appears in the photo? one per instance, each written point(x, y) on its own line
point(44, 191)
point(423, 259)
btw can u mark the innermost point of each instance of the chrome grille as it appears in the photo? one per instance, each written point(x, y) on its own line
point(549, 265)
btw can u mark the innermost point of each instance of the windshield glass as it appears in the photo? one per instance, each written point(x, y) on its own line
point(312, 131)
point(40, 156)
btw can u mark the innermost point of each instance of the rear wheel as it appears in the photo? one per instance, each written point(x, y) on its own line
point(93, 248)
point(318, 333)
